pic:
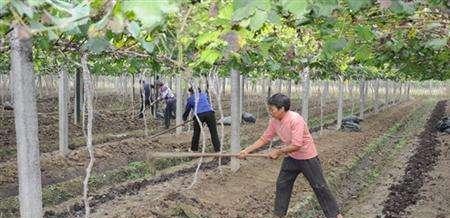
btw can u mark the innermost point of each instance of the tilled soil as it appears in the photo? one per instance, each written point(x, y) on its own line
point(105, 122)
point(108, 122)
point(110, 155)
point(247, 193)
point(425, 157)
point(374, 174)
point(435, 194)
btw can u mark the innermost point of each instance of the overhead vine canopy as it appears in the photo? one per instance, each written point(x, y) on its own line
point(393, 39)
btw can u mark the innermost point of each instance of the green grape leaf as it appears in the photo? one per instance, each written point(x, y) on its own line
point(225, 12)
point(365, 33)
point(274, 17)
point(363, 53)
point(23, 9)
point(355, 5)
point(150, 13)
point(148, 46)
point(96, 45)
point(134, 29)
point(257, 21)
point(436, 44)
point(298, 8)
point(79, 16)
point(207, 38)
point(399, 7)
point(334, 45)
point(52, 35)
point(209, 56)
point(3, 4)
point(35, 26)
point(242, 13)
point(326, 7)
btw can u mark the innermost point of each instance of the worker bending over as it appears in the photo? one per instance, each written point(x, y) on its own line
point(205, 114)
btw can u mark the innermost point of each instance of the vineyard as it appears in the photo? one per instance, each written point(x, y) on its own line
point(103, 104)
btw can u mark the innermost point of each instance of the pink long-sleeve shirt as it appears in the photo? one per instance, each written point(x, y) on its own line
point(292, 130)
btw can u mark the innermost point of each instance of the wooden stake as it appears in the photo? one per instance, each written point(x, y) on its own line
point(190, 154)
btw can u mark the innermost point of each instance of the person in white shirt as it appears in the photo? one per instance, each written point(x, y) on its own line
point(166, 94)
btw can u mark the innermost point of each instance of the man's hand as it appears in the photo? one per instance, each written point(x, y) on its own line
point(242, 154)
point(274, 154)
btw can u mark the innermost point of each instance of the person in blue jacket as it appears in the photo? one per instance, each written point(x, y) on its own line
point(206, 115)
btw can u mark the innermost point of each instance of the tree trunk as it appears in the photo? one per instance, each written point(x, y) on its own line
point(26, 123)
point(63, 100)
point(90, 116)
point(235, 118)
point(78, 97)
point(340, 103)
point(305, 97)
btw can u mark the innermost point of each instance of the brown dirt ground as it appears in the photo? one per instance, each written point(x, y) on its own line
point(110, 155)
point(435, 194)
point(250, 191)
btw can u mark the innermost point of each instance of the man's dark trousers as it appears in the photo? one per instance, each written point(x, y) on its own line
point(210, 119)
point(312, 170)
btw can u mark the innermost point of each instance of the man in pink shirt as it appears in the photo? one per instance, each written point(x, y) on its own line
point(300, 156)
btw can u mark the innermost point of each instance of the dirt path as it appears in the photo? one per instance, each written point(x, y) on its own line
point(249, 192)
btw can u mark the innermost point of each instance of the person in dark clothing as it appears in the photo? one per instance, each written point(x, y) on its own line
point(166, 94)
point(146, 97)
point(205, 114)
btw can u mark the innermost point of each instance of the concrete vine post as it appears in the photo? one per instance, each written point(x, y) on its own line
point(305, 96)
point(63, 99)
point(340, 103)
point(26, 123)
point(362, 98)
point(235, 118)
point(377, 88)
point(241, 97)
point(350, 91)
point(386, 93)
point(321, 99)
point(178, 118)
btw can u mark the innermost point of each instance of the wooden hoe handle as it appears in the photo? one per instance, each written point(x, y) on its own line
point(190, 154)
